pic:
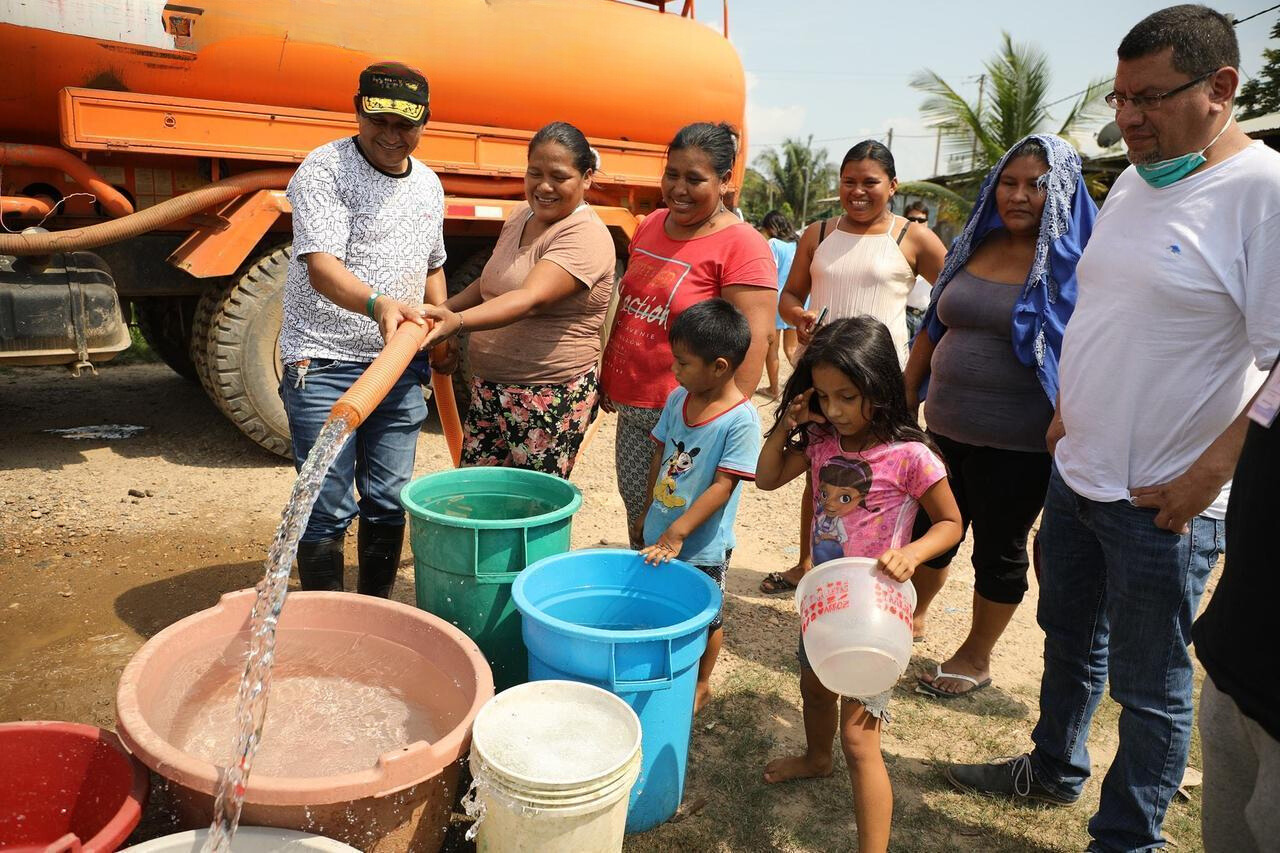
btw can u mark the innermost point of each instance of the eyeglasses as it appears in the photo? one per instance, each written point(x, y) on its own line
point(923, 220)
point(1146, 103)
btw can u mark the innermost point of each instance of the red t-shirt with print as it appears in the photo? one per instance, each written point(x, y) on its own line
point(664, 277)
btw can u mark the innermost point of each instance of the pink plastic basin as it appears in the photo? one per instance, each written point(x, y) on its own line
point(66, 787)
point(399, 800)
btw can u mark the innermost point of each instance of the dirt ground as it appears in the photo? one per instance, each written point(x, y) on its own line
point(105, 542)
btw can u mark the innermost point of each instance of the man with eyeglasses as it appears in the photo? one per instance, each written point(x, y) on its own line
point(1177, 314)
point(918, 298)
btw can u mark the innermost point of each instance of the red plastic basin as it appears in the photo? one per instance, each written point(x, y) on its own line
point(67, 787)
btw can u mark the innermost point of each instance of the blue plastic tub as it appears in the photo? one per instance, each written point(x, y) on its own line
point(606, 618)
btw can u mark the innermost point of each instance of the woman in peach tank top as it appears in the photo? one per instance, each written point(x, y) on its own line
point(863, 262)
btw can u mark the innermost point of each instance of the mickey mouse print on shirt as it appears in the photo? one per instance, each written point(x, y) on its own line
point(679, 462)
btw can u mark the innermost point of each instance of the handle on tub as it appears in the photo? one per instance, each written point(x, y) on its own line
point(69, 843)
point(662, 683)
point(502, 577)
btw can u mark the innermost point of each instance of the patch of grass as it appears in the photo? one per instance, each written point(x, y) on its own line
point(139, 351)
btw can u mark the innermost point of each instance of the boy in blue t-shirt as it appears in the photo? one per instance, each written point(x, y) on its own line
point(708, 440)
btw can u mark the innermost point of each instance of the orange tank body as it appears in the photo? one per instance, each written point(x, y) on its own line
point(615, 70)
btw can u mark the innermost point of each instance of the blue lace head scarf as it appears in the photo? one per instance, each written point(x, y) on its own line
point(1049, 295)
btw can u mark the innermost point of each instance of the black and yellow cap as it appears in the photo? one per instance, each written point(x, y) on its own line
point(396, 88)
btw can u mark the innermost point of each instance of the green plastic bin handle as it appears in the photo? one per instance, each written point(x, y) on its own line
point(662, 683)
point(500, 577)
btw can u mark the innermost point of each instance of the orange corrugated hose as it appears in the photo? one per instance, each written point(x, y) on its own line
point(162, 214)
point(378, 378)
point(64, 161)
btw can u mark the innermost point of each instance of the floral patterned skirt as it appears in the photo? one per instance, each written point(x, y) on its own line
point(535, 427)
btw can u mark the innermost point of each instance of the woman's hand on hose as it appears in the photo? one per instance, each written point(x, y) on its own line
point(447, 324)
point(389, 313)
point(444, 357)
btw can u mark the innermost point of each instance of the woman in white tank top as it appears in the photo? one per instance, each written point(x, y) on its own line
point(864, 262)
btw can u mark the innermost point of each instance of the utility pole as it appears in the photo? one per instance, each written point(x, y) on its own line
point(937, 151)
point(889, 144)
point(973, 154)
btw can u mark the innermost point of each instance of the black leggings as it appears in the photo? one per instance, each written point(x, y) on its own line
point(1000, 492)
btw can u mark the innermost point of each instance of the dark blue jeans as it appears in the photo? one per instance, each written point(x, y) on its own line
point(1117, 598)
point(377, 460)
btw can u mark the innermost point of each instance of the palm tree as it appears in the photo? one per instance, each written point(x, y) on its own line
point(1011, 104)
point(793, 175)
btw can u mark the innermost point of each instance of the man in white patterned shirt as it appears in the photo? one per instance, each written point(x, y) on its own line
point(368, 251)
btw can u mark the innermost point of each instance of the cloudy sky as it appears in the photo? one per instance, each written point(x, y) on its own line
point(839, 69)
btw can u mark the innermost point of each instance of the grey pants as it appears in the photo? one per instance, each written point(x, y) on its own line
point(1239, 811)
point(632, 455)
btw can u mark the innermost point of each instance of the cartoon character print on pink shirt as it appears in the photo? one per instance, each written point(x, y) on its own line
point(843, 484)
point(866, 502)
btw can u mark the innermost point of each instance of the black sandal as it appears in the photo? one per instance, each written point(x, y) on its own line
point(776, 583)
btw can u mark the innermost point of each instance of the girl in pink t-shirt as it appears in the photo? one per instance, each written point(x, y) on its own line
point(844, 419)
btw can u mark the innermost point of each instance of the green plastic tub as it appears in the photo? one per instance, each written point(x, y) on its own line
point(473, 530)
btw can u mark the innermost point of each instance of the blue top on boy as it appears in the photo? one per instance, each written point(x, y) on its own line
point(708, 440)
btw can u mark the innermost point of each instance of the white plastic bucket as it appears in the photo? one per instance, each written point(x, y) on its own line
point(856, 624)
point(248, 839)
point(554, 763)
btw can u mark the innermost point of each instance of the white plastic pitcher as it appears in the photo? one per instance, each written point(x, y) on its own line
point(248, 839)
point(856, 623)
point(554, 762)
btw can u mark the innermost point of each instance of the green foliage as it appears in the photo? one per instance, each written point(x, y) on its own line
point(1014, 104)
point(792, 177)
point(1261, 95)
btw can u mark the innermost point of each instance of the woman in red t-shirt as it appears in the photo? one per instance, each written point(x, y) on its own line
point(693, 250)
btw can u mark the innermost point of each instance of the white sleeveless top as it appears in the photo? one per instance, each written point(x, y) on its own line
point(854, 274)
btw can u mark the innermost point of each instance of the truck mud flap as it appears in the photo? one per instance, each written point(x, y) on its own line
point(67, 312)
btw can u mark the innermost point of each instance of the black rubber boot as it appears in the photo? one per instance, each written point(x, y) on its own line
point(320, 564)
point(379, 548)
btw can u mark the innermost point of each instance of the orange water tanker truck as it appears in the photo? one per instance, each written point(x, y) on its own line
point(153, 142)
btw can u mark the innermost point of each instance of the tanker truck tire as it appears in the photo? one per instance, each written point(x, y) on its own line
point(457, 282)
point(166, 324)
point(206, 307)
point(244, 352)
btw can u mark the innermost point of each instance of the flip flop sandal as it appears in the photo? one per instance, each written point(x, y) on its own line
point(926, 689)
point(775, 583)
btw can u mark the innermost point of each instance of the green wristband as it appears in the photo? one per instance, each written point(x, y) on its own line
point(368, 306)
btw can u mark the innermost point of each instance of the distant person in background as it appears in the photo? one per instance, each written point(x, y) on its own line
point(864, 262)
point(534, 316)
point(918, 298)
point(781, 236)
point(693, 249)
point(990, 345)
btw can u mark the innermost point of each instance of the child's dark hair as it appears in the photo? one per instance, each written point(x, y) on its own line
point(777, 224)
point(845, 473)
point(713, 329)
point(862, 349)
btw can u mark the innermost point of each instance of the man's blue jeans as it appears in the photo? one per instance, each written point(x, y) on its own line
point(378, 459)
point(1117, 598)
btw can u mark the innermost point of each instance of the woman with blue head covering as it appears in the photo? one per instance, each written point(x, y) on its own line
point(990, 359)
